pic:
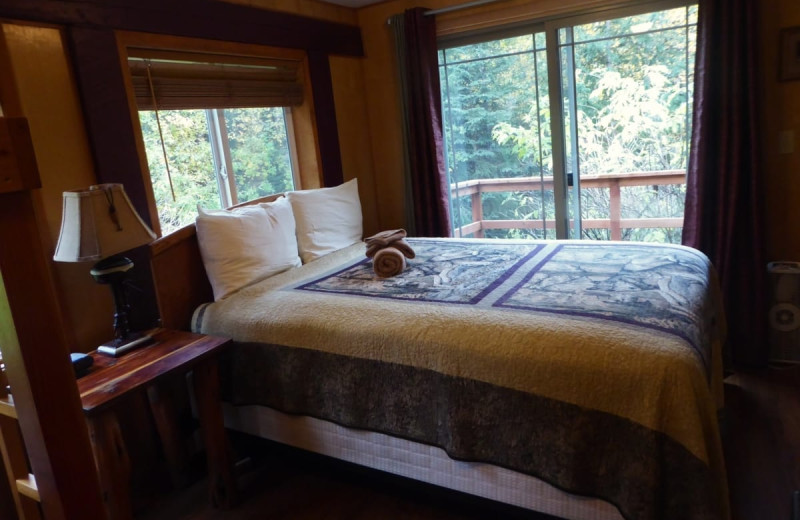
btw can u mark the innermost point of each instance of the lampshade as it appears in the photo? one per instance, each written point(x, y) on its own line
point(97, 223)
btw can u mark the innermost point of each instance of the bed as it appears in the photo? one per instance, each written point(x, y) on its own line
point(576, 379)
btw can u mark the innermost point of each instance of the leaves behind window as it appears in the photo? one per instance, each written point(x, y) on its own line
point(630, 112)
point(257, 148)
point(190, 165)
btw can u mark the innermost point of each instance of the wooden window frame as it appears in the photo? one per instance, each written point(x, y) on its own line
point(301, 124)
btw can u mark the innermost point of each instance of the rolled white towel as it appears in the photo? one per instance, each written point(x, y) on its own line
point(388, 261)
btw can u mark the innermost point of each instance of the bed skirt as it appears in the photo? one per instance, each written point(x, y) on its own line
point(415, 460)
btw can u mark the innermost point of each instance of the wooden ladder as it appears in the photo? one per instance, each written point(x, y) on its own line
point(21, 481)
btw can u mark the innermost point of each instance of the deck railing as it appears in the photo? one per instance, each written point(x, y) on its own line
point(615, 223)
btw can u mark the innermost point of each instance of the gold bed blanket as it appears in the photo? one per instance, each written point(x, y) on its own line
point(654, 383)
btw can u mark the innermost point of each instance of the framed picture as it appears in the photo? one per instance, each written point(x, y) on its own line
point(790, 54)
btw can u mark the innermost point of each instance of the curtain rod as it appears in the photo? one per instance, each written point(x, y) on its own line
point(452, 8)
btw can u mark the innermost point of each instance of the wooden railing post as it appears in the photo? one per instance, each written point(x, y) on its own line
point(615, 212)
point(613, 181)
point(477, 211)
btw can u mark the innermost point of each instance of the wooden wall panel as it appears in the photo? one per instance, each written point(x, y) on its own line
point(354, 134)
point(781, 112)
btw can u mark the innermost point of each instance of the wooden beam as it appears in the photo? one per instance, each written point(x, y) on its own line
point(27, 487)
point(113, 143)
point(325, 112)
point(18, 169)
point(104, 100)
point(194, 18)
point(39, 372)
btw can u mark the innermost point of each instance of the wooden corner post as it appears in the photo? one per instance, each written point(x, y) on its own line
point(36, 356)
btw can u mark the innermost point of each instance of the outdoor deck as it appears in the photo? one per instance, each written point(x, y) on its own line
point(613, 182)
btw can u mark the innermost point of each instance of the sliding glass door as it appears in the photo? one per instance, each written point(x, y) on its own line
point(497, 127)
point(577, 128)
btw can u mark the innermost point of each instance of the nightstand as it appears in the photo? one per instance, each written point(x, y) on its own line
point(110, 380)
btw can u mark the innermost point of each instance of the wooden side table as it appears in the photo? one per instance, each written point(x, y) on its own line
point(112, 379)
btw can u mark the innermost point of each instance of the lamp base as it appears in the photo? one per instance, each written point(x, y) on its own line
point(120, 346)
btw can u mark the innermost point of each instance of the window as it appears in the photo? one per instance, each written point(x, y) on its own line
point(216, 129)
point(576, 128)
point(217, 158)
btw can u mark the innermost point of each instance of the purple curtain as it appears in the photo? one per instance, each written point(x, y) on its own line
point(428, 198)
point(724, 195)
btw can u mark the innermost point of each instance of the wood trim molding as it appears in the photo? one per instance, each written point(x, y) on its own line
point(39, 371)
point(110, 128)
point(109, 117)
point(143, 40)
point(302, 125)
point(105, 108)
point(517, 11)
point(196, 19)
point(327, 130)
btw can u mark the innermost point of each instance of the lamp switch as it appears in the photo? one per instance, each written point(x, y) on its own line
point(786, 142)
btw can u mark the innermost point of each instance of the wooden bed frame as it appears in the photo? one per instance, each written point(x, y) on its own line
point(179, 276)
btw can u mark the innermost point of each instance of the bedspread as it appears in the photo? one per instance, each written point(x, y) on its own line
point(593, 366)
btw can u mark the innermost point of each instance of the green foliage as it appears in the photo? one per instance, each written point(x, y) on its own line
point(629, 112)
point(259, 149)
point(191, 166)
point(259, 154)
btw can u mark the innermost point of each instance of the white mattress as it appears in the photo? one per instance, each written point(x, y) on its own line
point(414, 460)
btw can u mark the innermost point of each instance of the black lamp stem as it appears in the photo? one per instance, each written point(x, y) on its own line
point(121, 309)
point(112, 271)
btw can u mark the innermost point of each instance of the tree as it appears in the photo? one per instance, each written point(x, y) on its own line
point(259, 151)
point(630, 80)
point(191, 166)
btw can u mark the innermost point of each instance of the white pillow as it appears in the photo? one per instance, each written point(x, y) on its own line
point(246, 244)
point(328, 219)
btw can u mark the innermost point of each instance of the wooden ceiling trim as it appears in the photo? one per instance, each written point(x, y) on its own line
point(197, 19)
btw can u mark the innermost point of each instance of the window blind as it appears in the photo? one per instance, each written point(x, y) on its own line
point(182, 80)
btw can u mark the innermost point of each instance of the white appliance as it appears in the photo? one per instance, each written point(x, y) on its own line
point(784, 312)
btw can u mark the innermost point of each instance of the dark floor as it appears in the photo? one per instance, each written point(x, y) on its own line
point(762, 442)
point(761, 437)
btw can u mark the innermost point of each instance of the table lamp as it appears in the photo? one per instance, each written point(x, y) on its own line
point(99, 223)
